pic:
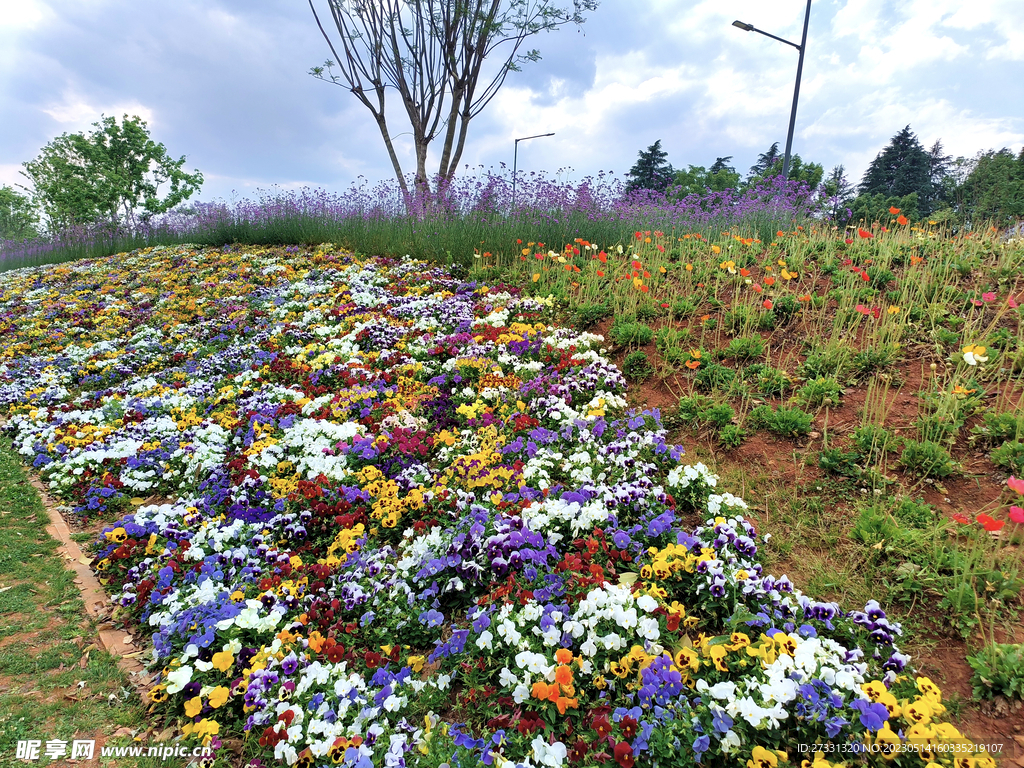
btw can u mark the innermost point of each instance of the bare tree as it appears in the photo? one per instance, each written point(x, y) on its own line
point(431, 52)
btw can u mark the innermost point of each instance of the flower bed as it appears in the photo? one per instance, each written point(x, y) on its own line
point(374, 515)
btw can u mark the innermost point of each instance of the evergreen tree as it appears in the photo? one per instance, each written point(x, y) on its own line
point(766, 162)
point(902, 168)
point(938, 169)
point(651, 170)
point(721, 164)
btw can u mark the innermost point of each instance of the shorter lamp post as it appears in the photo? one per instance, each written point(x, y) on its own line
point(799, 70)
point(515, 154)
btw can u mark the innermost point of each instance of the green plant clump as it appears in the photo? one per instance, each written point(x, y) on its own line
point(636, 367)
point(872, 441)
point(731, 436)
point(998, 671)
point(744, 348)
point(628, 333)
point(786, 422)
point(589, 315)
point(1010, 456)
point(818, 392)
point(927, 458)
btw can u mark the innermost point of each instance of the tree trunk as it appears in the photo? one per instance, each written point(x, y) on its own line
point(382, 123)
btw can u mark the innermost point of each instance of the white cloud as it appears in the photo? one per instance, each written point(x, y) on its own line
point(76, 111)
point(23, 15)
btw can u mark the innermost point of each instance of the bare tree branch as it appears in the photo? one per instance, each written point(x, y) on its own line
point(432, 52)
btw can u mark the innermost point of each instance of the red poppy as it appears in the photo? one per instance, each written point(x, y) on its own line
point(637, 265)
point(624, 754)
point(864, 233)
point(865, 277)
point(848, 241)
point(1017, 514)
point(901, 220)
point(894, 210)
point(876, 312)
point(767, 304)
point(989, 524)
point(602, 257)
point(962, 519)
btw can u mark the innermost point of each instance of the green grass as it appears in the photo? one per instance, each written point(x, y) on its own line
point(55, 683)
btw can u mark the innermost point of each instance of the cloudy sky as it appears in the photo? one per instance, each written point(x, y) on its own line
point(226, 83)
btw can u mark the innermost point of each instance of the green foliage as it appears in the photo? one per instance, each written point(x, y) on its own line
point(872, 441)
point(902, 168)
point(18, 219)
point(839, 462)
point(769, 380)
point(648, 311)
point(692, 407)
point(697, 180)
point(719, 415)
point(998, 671)
point(712, 376)
point(1009, 456)
point(107, 176)
point(818, 392)
point(651, 170)
point(744, 348)
point(875, 358)
point(630, 333)
point(994, 189)
point(998, 428)
point(731, 436)
point(831, 359)
point(915, 513)
point(589, 315)
point(786, 422)
point(636, 366)
point(684, 306)
point(927, 458)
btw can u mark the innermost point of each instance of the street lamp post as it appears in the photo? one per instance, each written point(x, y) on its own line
point(799, 71)
point(515, 154)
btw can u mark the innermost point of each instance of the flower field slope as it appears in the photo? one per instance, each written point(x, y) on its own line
point(372, 514)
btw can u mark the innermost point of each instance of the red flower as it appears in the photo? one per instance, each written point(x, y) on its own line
point(767, 304)
point(962, 519)
point(864, 233)
point(672, 622)
point(624, 754)
point(876, 312)
point(848, 241)
point(989, 524)
point(865, 277)
point(1017, 514)
point(901, 220)
point(530, 722)
point(578, 753)
point(372, 659)
point(602, 725)
point(637, 264)
point(335, 653)
point(894, 210)
point(628, 726)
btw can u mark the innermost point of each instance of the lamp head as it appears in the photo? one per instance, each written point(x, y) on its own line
point(743, 25)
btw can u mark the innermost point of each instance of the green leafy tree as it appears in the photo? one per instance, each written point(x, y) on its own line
point(902, 168)
point(837, 195)
point(18, 219)
point(651, 170)
point(994, 188)
point(870, 208)
point(698, 180)
point(110, 176)
point(771, 163)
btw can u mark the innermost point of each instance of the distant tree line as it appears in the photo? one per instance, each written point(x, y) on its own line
point(920, 182)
